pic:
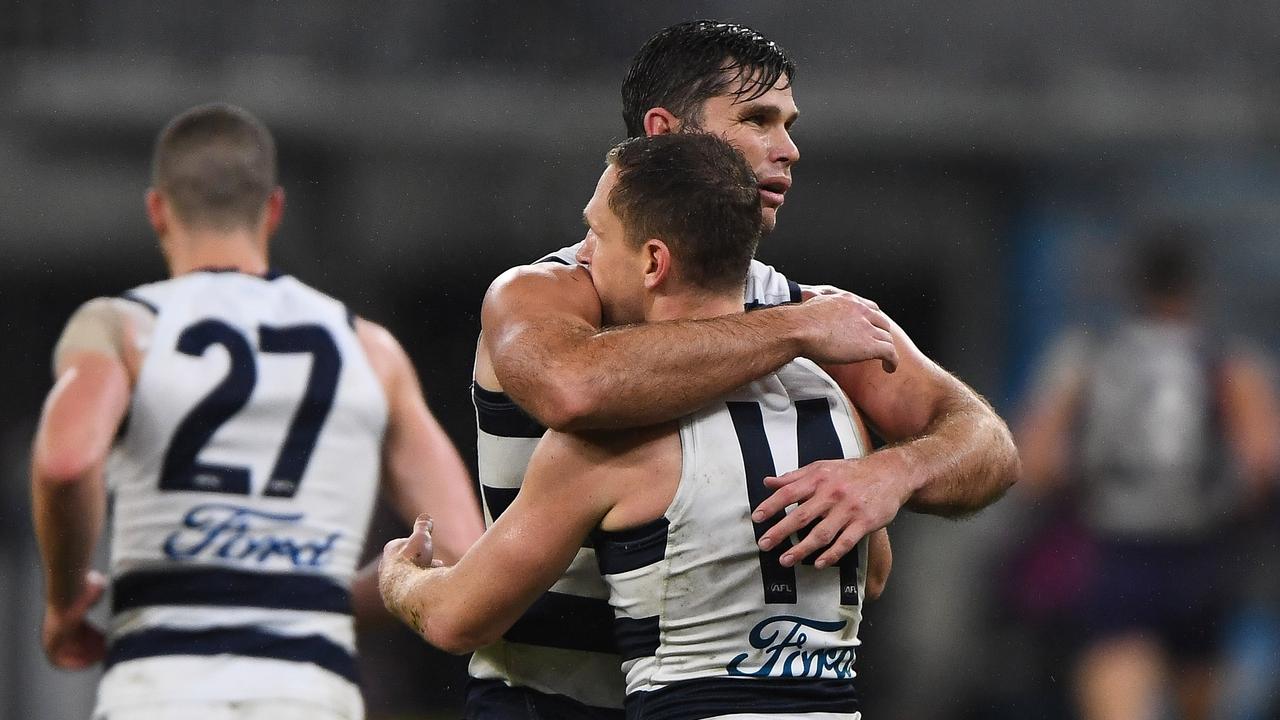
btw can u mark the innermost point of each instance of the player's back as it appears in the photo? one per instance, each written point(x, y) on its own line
point(707, 624)
point(1153, 454)
point(562, 648)
point(243, 485)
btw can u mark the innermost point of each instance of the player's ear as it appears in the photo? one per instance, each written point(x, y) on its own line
point(657, 262)
point(660, 121)
point(274, 210)
point(157, 211)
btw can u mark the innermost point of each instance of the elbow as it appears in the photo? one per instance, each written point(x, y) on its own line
point(60, 468)
point(875, 585)
point(458, 637)
point(568, 406)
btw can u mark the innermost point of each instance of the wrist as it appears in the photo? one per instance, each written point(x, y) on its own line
point(904, 463)
point(790, 325)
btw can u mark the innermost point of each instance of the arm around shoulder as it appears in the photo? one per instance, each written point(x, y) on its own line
point(542, 337)
point(953, 452)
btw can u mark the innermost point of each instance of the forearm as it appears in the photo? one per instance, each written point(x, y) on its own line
point(964, 461)
point(366, 603)
point(644, 374)
point(879, 563)
point(416, 595)
point(68, 518)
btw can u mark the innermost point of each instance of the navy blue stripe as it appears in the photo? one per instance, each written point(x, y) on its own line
point(779, 582)
point(796, 293)
point(818, 440)
point(568, 622)
point(247, 642)
point(229, 588)
point(637, 637)
point(709, 697)
point(499, 415)
point(489, 699)
point(498, 499)
point(131, 297)
point(626, 550)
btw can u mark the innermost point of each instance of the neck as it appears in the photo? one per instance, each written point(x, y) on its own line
point(191, 249)
point(1169, 308)
point(692, 305)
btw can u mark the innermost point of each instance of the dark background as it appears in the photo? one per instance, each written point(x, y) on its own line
point(975, 168)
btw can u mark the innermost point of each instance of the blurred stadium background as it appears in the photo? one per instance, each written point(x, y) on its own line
point(974, 167)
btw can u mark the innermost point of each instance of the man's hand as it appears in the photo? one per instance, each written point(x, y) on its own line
point(416, 548)
point(399, 559)
point(852, 497)
point(70, 641)
point(841, 327)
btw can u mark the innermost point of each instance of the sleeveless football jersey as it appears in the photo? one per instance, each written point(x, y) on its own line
point(563, 645)
point(707, 624)
point(243, 486)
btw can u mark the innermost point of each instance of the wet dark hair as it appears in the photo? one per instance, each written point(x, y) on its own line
point(683, 66)
point(697, 194)
point(1165, 262)
point(216, 164)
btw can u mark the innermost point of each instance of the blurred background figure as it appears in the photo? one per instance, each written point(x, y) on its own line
point(978, 161)
point(1163, 431)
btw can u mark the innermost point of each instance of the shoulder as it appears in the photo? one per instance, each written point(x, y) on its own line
point(112, 326)
point(385, 354)
point(539, 287)
point(615, 459)
point(538, 275)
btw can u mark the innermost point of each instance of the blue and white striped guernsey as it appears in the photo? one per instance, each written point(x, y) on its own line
point(243, 488)
point(708, 625)
point(562, 648)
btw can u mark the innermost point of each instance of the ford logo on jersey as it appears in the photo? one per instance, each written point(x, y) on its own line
point(232, 532)
point(783, 639)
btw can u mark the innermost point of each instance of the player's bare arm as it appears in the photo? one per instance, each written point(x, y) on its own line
point(542, 344)
point(950, 454)
point(1251, 421)
point(571, 485)
point(879, 563)
point(422, 471)
point(81, 415)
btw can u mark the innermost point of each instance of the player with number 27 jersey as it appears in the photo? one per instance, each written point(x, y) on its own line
point(243, 483)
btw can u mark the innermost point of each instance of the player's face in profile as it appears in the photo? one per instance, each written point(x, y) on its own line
point(761, 130)
point(614, 264)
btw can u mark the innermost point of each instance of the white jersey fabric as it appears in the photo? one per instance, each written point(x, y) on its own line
point(243, 486)
point(708, 625)
point(563, 645)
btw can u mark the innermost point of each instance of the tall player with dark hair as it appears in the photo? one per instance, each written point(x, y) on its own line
point(242, 420)
point(707, 624)
point(543, 361)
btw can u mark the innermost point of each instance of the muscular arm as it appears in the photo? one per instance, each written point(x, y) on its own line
point(79, 422)
point(471, 604)
point(950, 454)
point(422, 472)
point(541, 336)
